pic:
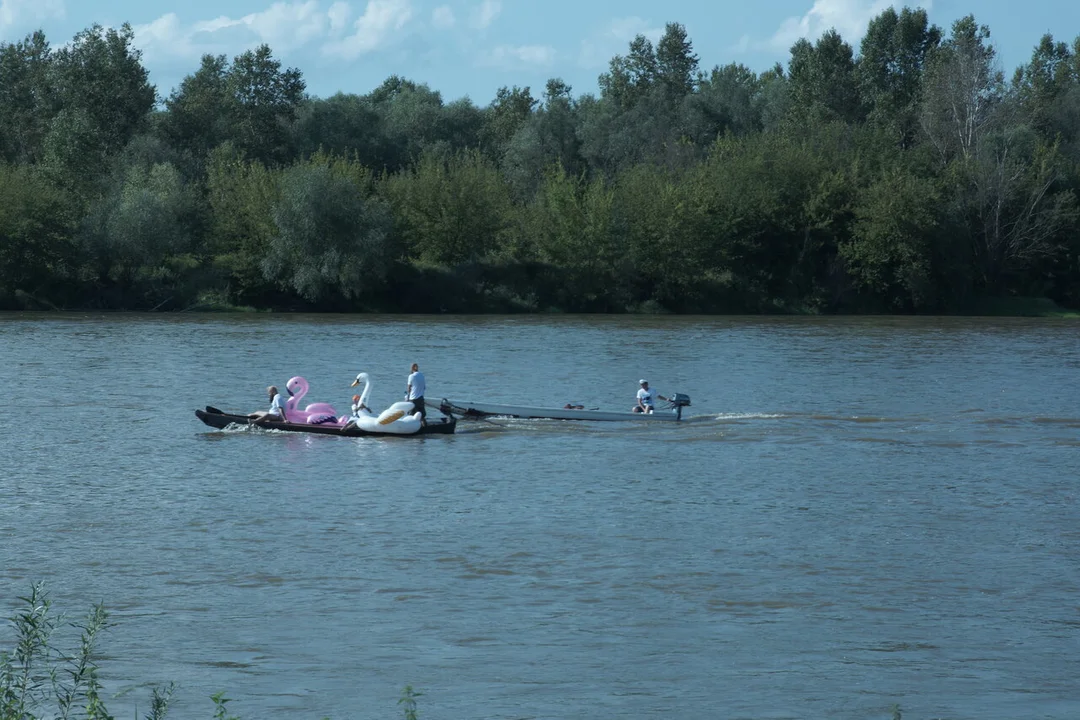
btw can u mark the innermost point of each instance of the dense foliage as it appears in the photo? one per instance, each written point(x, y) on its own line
point(905, 175)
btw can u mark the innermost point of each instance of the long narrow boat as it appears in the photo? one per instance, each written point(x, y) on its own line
point(471, 409)
point(217, 419)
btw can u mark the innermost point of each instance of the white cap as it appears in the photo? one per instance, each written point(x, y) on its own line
point(642, 382)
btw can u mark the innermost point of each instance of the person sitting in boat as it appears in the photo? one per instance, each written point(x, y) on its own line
point(357, 406)
point(645, 402)
point(276, 413)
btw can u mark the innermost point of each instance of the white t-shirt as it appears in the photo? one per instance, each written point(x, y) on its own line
point(417, 385)
point(276, 406)
point(646, 396)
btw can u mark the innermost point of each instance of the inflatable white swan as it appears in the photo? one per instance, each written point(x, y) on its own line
point(398, 419)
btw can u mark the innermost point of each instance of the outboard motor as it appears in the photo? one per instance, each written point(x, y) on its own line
point(679, 401)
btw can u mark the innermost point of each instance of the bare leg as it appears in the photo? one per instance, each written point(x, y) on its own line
point(263, 415)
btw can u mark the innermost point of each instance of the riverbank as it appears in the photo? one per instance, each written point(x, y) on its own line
point(505, 303)
point(512, 288)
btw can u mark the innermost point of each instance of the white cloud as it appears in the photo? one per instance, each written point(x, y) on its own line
point(28, 12)
point(485, 13)
point(165, 35)
point(598, 50)
point(287, 25)
point(284, 26)
point(339, 15)
point(443, 17)
point(626, 29)
point(848, 17)
point(740, 47)
point(373, 29)
point(520, 56)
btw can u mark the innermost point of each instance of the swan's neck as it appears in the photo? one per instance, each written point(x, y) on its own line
point(367, 392)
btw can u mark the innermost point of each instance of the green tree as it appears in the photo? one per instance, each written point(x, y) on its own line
point(241, 195)
point(963, 90)
point(660, 225)
point(461, 125)
point(26, 98)
point(676, 63)
point(332, 234)
point(630, 77)
point(105, 97)
point(1052, 74)
point(777, 206)
point(450, 211)
point(342, 124)
point(891, 252)
point(548, 137)
point(266, 101)
point(139, 234)
point(727, 100)
point(774, 99)
point(416, 121)
point(38, 254)
point(890, 68)
point(252, 102)
point(637, 117)
point(822, 77)
point(570, 228)
point(1017, 204)
point(200, 111)
point(508, 113)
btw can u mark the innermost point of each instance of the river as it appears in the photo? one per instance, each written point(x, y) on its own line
point(856, 513)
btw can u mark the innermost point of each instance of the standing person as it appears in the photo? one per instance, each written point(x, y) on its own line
point(645, 402)
point(277, 407)
point(414, 392)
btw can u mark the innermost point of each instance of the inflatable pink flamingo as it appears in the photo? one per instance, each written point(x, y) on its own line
point(313, 414)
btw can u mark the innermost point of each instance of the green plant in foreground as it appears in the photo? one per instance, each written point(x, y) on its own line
point(35, 675)
point(219, 703)
point(159, 702)
point(23, 685)
point(408, 702)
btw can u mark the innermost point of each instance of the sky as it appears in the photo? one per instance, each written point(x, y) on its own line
point(473, 47)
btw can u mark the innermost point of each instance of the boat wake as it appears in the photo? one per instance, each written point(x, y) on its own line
point(237, 428)
point(744, 416)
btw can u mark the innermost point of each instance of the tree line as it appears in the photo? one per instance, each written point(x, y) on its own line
point(907, 175)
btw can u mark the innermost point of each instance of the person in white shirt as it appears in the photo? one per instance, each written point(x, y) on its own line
point(276, 412)
point(645, 398)
point(414, 392)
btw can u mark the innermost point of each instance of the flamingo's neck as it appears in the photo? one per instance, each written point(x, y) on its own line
point(293, 403)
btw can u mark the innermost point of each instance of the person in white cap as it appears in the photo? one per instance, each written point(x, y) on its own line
point(645, 402)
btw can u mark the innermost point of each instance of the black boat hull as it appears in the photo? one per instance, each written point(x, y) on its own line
point(217, 419)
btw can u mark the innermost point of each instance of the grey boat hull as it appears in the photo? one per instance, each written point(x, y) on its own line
point(469, 409)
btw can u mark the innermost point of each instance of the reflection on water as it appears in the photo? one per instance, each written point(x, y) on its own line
point(857, 512)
